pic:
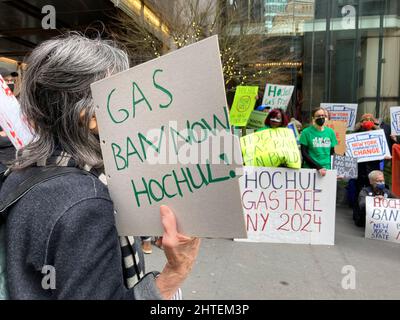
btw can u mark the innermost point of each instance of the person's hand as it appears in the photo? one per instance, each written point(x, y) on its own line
point(322, 172)
point(380, 197)
point(340, 177)
point(181, 252)
point(387, 157)
point(393, 137)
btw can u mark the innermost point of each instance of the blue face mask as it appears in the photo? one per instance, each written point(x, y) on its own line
point(380, 185)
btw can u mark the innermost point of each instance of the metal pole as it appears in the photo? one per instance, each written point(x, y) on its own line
point(328, 52)
point(380, 60)
point(357, 54)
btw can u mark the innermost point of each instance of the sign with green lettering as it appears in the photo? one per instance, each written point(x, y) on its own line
point(243, 105)
point(277, 96)
point(271, 148)
point(165, 137)
point(257, 119)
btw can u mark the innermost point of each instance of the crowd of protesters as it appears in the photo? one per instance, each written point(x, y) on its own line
point(317, 145)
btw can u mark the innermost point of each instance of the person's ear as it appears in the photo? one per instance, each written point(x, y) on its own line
point(92, 122)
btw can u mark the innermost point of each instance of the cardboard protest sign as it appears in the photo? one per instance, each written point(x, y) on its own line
point(367, 146)
point(243, 105)
point(382, 220)
point(271, 148)
point(395, 120)
point(257, 119)
point(342, 112)
point(340, 128)
point(346, 167)
point(277, 96)
point(165, 138)
point(11, 120)
point(289, 206)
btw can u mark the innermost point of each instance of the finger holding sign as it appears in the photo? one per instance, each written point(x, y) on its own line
point(181, 252)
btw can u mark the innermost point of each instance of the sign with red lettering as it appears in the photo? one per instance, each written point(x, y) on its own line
point(11, 121)
point(382, 219)
point(342, 112)
point(288, 206)
point(367, 146)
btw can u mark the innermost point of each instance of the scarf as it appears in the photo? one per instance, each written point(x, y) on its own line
point(132, 258)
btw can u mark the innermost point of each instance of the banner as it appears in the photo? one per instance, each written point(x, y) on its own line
point(395, 120)
point(342, 112)
point(340, 128)
point(165, 137)
point(289, 206)
point(346, 167)
point(277, 96)
point(11, 121)
point(243, 105)
point(382, 219)
point(271, 148)
point(257, 119)
point(367, 146)
point(396, 169)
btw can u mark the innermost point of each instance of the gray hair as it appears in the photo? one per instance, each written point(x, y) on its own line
point(56, 89)
point(373, 174)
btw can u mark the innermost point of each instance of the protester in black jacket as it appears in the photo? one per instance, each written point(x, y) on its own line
point(377, 188)
point(66, 225)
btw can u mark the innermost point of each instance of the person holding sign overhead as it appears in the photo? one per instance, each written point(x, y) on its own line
point(317, 143)
point(67, 224)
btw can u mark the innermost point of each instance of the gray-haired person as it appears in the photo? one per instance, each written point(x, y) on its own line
point(377, 188)
point(66, 225)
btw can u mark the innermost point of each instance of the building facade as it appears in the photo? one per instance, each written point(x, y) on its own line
point(342, 51)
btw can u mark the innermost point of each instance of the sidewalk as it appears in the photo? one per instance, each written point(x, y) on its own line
point(230, 270)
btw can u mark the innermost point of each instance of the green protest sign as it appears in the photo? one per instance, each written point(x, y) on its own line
point(243, 105)
point(257, 119)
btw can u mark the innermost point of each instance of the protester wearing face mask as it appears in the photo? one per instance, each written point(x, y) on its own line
point(276, 119)
point(367, 123)
point(377, 188)
point(317, 143)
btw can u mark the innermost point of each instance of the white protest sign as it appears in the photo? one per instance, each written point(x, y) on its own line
point(289, 206)
point(11, 121)
point(395, 120)
point(367, 146)
point(277, 96)
point(342, 112)
point(382, 219)
point(165, 137)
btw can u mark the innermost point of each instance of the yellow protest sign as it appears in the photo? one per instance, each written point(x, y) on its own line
point(271, 148)
point(243, 105)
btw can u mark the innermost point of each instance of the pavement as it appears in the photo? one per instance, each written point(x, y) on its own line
point(354, 268)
